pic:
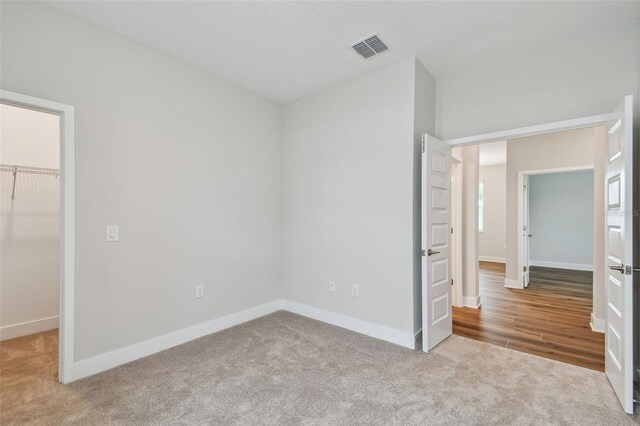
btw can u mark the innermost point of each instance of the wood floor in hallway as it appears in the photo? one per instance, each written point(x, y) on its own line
point(550, 318)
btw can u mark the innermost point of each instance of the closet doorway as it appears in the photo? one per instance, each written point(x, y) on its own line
point(36, 240)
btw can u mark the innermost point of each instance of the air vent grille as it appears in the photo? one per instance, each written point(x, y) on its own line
point(376, 44)
point(363, 49)
point(370, 46)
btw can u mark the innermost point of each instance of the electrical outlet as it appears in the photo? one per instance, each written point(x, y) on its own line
point(355, 292)
point(199, 291)
point(332, 286)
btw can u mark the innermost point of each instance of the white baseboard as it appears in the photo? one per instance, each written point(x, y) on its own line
point(472, 302)
point(378, 331)
point(562, 265)
point(112, 359)
point(509, 283)
point(417, 340)
point(491, 259)
point(597, 324)
point(30, 327)
point(109, 360)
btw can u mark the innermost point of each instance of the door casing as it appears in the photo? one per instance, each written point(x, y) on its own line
point(522, 177)
point(66, 357)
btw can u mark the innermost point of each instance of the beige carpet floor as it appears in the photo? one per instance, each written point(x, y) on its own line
point(285, 369)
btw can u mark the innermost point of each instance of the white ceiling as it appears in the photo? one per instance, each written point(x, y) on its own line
point(494, 153)
point(285, 50)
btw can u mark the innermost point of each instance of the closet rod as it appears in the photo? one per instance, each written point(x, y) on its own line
point(31, 170)
point(15, 169)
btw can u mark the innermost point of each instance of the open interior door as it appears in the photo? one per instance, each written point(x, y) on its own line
point(525, 232)
point(619, 253)
point(436, 242)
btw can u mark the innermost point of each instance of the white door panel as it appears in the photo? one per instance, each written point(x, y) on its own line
point(436, 242)
point(619, 254)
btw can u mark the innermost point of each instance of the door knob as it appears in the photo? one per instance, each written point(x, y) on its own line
point(530, 235)
point(617, 268)
point(430, 252)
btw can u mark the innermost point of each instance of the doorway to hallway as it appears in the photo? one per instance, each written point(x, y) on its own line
point(551, 318)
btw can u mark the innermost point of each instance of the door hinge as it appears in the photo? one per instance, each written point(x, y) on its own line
point(452, 229)
point(422, 145)
point(451, 281)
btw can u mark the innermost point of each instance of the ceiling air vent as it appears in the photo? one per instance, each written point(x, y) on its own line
point(370, 46)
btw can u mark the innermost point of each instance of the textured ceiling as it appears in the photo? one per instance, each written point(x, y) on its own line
point(285, 50)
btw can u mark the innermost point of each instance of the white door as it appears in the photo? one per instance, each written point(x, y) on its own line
point(619, 254)
point(436, 242)
point(525, 232)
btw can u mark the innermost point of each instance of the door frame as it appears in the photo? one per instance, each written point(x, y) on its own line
point(520, 223)
point(520, 132)
point(66, 356)
point(539, 129)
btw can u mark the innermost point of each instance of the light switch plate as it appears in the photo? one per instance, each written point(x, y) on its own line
point(355, 290)
point(199, 291)
point(113, 233)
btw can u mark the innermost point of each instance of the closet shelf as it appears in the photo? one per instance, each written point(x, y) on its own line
point(31, 170)
point(15, 169)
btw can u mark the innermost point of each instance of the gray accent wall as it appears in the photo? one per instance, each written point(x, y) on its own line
point(561, 219)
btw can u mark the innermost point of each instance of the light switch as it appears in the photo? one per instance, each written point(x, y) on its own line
point(113, 234)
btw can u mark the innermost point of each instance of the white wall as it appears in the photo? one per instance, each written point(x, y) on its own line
point(492, 241)
point(561, 220)
point(584, 76)
point(348, 197)
point(29, 224)
point(185, 162)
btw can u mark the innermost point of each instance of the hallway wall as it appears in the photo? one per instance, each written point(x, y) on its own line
point(575, 148)
point(492, 241)
point(470, 156)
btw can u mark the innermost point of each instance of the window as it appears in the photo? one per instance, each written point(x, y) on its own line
point(481, 206)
